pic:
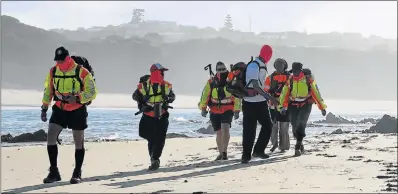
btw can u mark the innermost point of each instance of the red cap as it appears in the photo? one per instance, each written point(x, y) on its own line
point(266, 53)
point(157, 66)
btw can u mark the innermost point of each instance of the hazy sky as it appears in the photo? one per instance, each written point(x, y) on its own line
point(367, 17)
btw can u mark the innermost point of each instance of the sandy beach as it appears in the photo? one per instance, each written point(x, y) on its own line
point(332, 163)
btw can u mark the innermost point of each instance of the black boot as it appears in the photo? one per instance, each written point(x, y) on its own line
point(219, 157)
point(261, 155)
point(52, 176)
point(224, 156)
point(76, 177)
point(274, 148)
point(298, 148)
point(154, 165)
point(245, 160)
point(297, 151)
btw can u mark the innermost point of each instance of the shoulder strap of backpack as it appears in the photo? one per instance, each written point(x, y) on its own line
point(146, 89)
point(77, 76)
point(53, 70)
point(211, 93)
point(163, 92)
point(307, 79)
point(290, 83)
point(271, 80)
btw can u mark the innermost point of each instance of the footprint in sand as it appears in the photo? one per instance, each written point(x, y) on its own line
point(327, 155)
point(355, 158)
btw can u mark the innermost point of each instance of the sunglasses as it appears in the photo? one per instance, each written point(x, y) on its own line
point(221, 69)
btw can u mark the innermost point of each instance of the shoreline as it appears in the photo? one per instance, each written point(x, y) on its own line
point(355, 163)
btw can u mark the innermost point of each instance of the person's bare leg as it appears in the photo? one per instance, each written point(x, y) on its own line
point(78, 137)
point(225, 139)
point(219, 143)
point(52, 150)
point(225, 136)
point(274, 135)
point(284, 136)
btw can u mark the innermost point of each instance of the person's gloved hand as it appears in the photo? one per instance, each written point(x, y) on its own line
point(323, 112)
point(43, 115)
point(283, 111)
point(204, 113)
point(171, 99)
point(236, 115)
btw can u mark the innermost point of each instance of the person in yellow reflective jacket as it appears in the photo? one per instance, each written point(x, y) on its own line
point(71, 86)
point(298, 95)
point(153, 96)
point(223, 106)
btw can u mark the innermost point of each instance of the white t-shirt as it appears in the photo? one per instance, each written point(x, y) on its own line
point(254, 72)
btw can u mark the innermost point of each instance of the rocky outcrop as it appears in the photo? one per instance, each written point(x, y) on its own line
point(6, 138)
point(387, 124)
point(333, 119)
point(369, 120)
point(37, 136)
point(176, 135)
point(209, 130)
point(338, 131)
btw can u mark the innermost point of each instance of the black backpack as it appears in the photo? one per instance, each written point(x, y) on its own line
point(237, 86)
point(276, 87)
point(84, 62)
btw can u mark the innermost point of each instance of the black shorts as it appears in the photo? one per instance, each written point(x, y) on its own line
point(217, 119)
point(276, 116)
point(75, 120)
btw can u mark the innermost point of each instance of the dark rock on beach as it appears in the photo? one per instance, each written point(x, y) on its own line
point(333, 119)
point(209, 130)
point(387, 124)
point(38, 136)
point(6, 138)
point(176, 135)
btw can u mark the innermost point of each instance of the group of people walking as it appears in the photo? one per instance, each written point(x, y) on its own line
point(273, 101)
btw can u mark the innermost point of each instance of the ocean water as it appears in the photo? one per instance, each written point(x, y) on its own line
point(122, 124)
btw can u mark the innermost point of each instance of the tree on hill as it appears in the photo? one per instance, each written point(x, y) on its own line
point(138, 15)
point(228, 23)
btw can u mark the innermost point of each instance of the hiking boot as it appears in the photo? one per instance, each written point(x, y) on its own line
point(76, 177)
point(260, 155)
point(219, 157)
point(297, 150)
point(273, 148)
point(53, 175)
point(245, 160)
point(302, 148)
point(224, 156)
point(154, 165)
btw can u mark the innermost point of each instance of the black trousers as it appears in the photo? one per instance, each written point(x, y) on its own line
point(253, 112)
point(298, 118)
point(154, 131)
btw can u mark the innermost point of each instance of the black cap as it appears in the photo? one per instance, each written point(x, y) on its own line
point(61, 53)
point(297, 66)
